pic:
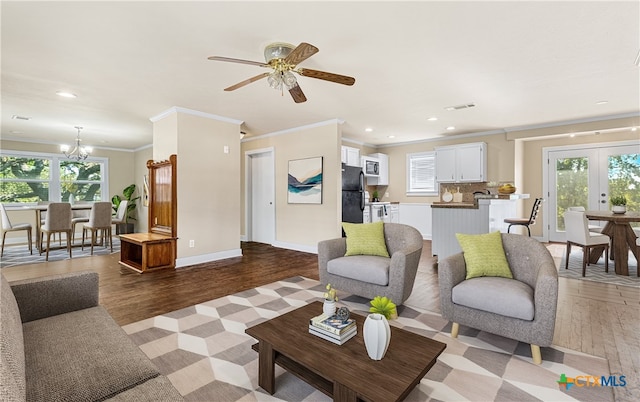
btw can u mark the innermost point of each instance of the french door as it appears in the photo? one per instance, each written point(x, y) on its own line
point(588, 177)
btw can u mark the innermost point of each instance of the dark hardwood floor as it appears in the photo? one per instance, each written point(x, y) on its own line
point(131, 297)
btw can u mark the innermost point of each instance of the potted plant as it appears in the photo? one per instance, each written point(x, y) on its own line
point(127, 194)
point(619, 204)
point(375, 196)
point(330, 299)
point(376, 331)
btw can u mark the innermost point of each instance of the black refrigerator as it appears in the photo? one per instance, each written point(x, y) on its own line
point(352, 194)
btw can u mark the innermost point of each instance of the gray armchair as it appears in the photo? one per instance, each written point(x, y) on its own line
point(370, 276)
point(522, 308)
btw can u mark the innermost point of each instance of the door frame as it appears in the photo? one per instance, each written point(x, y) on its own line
point(248, 195)
point(545, 171)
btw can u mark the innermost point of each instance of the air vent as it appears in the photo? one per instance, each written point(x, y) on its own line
point(463, 106)
point(16, 117)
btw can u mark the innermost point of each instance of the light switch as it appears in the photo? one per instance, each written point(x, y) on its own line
point(226, 149)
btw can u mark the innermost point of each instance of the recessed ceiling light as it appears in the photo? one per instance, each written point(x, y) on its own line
point(391, 136)
point(65, 94)
point(16, 117)
point(602, 102)
point(572, 135)
point(451, 128)
point(634, 128)
point(368, 129)
point(432, 118)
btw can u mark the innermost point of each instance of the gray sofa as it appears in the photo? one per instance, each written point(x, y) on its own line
point(58, 344)
point(371, 276)
point(522, 308)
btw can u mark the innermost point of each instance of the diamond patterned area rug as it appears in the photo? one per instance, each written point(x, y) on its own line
point(19, 255)
point(207, 356)
point(595, 272)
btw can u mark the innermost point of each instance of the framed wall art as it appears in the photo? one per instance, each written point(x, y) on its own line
point(305, 181)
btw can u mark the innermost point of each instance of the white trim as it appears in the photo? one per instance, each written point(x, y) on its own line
point(243, 238)
point(569, 122)
point(345, 139)
point(444, 138)
point(296, 247)
point(178, 109)
point(294, 129)
point(200, 259)
point(57, 144)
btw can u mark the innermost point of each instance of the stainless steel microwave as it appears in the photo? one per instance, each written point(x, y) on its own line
point(370, 166)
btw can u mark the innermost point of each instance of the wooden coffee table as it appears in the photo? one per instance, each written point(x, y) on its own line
point(345, 373)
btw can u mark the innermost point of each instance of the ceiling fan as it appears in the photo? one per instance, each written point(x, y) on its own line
point(282, 59)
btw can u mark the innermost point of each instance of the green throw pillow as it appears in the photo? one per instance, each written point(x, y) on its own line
point(365, 239)
point(484, 255)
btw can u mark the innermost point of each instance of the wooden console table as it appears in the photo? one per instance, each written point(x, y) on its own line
point(146, 251)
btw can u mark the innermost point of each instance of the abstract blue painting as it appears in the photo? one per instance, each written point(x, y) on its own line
point(305, 181)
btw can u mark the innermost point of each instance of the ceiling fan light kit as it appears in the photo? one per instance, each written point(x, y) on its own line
point(283, 58)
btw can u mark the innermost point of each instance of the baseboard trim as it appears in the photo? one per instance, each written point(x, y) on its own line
point(296, 247)
point(200, 259)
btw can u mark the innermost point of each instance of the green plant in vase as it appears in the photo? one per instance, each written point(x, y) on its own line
point(619, 204)
point(384, 306)
point(375, 196)
point(330, 299)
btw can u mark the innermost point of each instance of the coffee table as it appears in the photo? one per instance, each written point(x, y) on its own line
point(345, 372)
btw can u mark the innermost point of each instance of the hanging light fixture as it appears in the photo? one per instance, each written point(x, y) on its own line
point(78, 153)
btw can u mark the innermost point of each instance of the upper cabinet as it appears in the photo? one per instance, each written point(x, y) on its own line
point(461, 163)
point(383, 178)
point(351, 156)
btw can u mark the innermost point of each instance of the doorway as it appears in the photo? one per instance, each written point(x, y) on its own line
point(588, 176)
point(260, 200)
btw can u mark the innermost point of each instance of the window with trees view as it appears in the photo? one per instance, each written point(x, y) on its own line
point(32, 177)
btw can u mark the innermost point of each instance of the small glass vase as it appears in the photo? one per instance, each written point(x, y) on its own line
point(329, 307)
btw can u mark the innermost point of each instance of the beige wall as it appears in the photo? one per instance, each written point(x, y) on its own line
point(208, 183)
point(140, 168)
point(303, 224)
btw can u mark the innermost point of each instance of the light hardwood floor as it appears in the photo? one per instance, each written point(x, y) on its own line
point(594, 318)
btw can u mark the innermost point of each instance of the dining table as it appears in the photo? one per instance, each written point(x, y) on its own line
point(622, 235)
point(39, 209)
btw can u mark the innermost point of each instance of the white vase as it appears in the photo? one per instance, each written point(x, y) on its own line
point(72, 199)
point(329, 307)
point(619, 209)
point(377, 334)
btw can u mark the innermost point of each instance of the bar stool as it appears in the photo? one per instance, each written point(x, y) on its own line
point(525, 221)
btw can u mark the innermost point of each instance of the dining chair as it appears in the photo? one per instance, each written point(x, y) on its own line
point(526, 221)
point(99, 221)
point(79, 216)
point(57, 220)
point(592, 228)
point(8, 227)
point(120, 213)
point(577, 231)
point(43, 215)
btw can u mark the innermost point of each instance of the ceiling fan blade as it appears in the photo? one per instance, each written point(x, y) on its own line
point(322, 75)
point(246, 82)
point(297, 94)
point(300, 54)
point(229, 59)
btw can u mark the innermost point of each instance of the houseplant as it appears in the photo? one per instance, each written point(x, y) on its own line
point(376, 331)
point(619, 204)
point(330, 299)
point(127, 194)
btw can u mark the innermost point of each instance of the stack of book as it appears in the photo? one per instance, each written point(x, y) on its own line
point(332, 328)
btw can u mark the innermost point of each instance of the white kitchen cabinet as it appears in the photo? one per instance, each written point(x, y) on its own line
point(461, 163)
point(350, 156)
point(383, 177)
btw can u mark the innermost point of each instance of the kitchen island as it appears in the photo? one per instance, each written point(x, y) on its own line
point(484, 215)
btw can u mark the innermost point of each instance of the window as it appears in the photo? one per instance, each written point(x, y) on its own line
point(29, 177)
point(421, 174)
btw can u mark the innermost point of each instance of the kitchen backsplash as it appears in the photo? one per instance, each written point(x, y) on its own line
point(467, 189)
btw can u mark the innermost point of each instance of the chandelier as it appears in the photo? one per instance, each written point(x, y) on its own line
point(78, 153)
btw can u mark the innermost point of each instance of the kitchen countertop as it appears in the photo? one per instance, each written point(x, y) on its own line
point(474, 205)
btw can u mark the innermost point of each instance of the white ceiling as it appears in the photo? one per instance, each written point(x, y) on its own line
point(522, 64)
